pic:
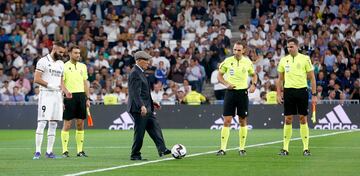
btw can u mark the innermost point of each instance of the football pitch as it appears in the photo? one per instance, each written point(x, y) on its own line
point(333, 153)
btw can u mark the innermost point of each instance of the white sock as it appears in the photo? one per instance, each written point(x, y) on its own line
point(39, 135)
point(51, 136)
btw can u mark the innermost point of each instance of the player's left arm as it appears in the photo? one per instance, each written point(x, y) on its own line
point(86, 89)
point(86, 86)
point(254, 78)
point(310, 75)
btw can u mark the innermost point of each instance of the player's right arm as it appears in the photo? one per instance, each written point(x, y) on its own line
point(40, 81)
point(280, 83)
point(64, 89)
point(220, 76)
point(40, 68)
point(279, 87)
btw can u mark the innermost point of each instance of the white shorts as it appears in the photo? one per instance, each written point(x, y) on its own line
point(50, 106)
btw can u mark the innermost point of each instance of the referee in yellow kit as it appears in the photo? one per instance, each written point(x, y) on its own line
point(194, 98)
point(294, 70)
point(75, 80)
point(236, 70)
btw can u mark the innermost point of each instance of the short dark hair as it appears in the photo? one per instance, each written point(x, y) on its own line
point(293, 40)
point(59, 44)
point(240, 43)
point(73, 47)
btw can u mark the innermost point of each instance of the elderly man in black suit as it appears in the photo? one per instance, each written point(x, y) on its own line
point(141, 107)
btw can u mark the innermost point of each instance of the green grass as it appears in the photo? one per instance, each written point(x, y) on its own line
point(332, 155)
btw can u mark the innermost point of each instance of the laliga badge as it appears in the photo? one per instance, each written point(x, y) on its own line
point(232, 72)
point(287, 68)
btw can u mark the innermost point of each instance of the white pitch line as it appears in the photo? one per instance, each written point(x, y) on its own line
point(198, 154)
point(105, 147)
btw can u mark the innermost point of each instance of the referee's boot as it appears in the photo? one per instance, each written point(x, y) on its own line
point(242, 152)
point(81, 154)
point(220, 152)
point(65, 154)
point(306, 153)
point(283, 152)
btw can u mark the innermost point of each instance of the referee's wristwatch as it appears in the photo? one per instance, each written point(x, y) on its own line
point(314, 94)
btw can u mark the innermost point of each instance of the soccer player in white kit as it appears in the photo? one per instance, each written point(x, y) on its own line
point(49, 74)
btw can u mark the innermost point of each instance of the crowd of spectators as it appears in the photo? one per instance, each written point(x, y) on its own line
point(327, 30)
point(187, 39)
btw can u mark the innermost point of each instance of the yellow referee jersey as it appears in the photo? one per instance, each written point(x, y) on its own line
point(74, 76)
point(295, 70)
point(194, 98)
point(236, 72)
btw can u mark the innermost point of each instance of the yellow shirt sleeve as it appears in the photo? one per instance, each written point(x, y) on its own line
point(281, 66)
point(202, 98)
point(251, 68)
point(222, 67)
point(308, 67)
point(85, 74)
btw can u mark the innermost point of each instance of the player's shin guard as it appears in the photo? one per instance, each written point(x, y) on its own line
point(225, 132)
point(287, 136)
point(51, 136)
point(79, 140)
point(242, 137)
point(65, 140)
point(39, 135)
point(304, 133)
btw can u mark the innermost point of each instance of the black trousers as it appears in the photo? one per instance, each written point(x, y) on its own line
point(151, 125)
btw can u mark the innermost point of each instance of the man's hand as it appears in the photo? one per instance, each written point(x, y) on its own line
point(279, 99)
point(230, 86)
point(314, 100)
point(157, 105)
point(143, 111)
point(252, 88)
point(68, 94)
point(87, 102)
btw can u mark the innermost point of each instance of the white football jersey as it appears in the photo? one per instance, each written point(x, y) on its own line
point(52, 71)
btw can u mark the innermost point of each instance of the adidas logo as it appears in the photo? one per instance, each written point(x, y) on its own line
point(218, 124)
point(338, 121)
point(124, 122)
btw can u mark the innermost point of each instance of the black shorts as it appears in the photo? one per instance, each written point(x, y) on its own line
point(296, 101)
point(236, 101)
point(75, 108)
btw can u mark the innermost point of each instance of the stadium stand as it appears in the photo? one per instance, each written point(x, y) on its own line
point(185, 36)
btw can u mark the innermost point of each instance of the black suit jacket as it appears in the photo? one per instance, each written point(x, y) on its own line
point(139, 92)
point(253, 12)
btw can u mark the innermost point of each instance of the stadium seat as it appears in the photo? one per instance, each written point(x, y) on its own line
point(185, 43)
point(165, 37)
point(190, 36)
point(172, 44)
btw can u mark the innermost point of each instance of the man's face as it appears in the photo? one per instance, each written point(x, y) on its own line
point(292, 48)
point(59, 53)
point(144, 63)
point(75, 54)
point(238, 50)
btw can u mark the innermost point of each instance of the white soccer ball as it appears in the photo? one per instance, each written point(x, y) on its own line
point(178, 151)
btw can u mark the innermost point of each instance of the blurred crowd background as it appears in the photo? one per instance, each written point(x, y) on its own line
point(187, 39)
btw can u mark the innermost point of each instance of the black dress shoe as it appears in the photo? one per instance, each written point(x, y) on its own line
point(138, 158)
point(166, 152)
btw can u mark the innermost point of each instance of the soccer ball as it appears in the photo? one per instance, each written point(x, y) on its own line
point(178, 151)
